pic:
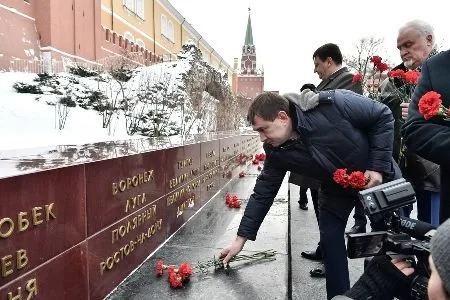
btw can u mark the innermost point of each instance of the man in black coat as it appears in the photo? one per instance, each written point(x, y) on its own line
point(431, 138)
point(328, 66)
point(415, 42)
point(316, 134)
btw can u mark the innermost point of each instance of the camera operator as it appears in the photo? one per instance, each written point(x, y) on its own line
point(386, 279)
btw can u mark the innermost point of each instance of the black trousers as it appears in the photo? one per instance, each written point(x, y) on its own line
point(303, 199)
point(334, 252)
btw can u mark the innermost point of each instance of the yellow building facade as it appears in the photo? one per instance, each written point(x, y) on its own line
point(158, 27)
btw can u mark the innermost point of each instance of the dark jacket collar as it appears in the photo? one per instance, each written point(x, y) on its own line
point(333, 76)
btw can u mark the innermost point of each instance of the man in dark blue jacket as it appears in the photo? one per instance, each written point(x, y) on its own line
point(315, 134)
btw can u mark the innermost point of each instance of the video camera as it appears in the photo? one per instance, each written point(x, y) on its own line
point(394, 233)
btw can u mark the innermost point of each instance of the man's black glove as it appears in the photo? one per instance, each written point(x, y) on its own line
point(381, 281)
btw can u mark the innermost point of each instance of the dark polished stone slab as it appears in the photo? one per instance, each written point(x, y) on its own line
point(24, 161)
point(64, 277)
point(226, 148)
point(41, 215)
point(210, 184)
point(209, 156)
point(181, 204)
point(181, 165)
point(218, 226)
point(201, 239)
point(119, 187)
point(117, 250)
point(258, 280)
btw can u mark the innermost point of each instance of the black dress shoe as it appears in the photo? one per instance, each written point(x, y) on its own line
point(318, 272)
point(304, 206)
point(312, 255)
point(357, 229)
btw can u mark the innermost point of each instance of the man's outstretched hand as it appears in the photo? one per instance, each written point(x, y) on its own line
point(233, 249)
point(373, 178)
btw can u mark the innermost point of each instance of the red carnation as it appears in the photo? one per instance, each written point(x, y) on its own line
point(159, 268)
point(381, 67)
point(185, 271)
point(241, 174)
point(340, 177)
point(174, 279)
point(227, 198)
point(357, 180)
point(399, 73)
point(430, 104)
point(376, 60)
point(411, 77)
point(356, 78)
point(237, 204)
point(255, 161)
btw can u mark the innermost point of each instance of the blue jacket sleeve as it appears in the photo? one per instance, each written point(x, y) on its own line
point(428, 138)
point(266, 188)
point(376, 120)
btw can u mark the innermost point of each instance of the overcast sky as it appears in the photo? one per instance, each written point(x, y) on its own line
point(286, 32)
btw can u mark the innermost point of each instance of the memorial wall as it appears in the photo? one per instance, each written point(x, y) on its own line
point(76, 220)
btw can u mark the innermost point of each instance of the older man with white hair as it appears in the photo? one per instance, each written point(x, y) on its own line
point(416, 43)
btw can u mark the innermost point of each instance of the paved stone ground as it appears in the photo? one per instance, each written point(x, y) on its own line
point(213, 228)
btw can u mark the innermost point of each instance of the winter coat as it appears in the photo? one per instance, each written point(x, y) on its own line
point(422, 174)
point(344, 130)
point(430, 138)
point(341, 79)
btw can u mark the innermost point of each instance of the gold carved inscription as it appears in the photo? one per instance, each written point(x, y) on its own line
point(210, 186)
point(135, 202)
point(189, 203)
point(134, 223)
point(37, 216)
point(31, 289)
point(210, 154)
point(182, 178)
point(130, 182)
point(174, 197)
point(184, 163)
point(129, 247)
point(209, 175)
point(210, 165)
point(10, 262)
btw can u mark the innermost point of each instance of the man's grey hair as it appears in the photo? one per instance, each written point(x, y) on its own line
point(422, 27)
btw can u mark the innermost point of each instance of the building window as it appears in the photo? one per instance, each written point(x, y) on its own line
point(129, 4)
point(167, 29)
point(140, 8)
point(170, 33)
point(135, 7)
point(163, 25)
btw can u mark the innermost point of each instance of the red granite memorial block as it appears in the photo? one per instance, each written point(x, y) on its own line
point(210, 184)
point(226, 149)
point(181, 204)
point(41, 215)
point(181, 165)
point(236, 146)
point(209, 156)
point(116, 188)
point(63, 277)
point(120, 248)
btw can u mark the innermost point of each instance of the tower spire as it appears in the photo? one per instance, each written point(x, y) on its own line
point(248, 33)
